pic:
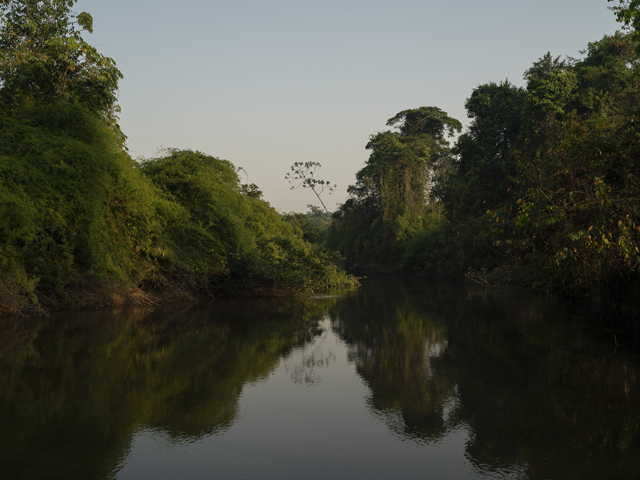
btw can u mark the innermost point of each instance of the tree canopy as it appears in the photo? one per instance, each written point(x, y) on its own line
point(542, 189)
point(628, 13)
point(43, 55)
point(390, 201)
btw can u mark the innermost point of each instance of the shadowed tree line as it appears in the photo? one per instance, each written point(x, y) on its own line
point(533, 388)
point(541, 190)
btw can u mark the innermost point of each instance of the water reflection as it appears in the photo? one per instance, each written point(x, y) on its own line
point(519, 385)
point(74, 390)
point(304, 365)
point(533, 387)
point(394, 346)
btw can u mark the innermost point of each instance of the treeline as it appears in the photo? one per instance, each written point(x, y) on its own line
point(541, 190)
point(83, 224)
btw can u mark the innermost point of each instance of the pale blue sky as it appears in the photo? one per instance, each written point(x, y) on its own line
point(267, 83)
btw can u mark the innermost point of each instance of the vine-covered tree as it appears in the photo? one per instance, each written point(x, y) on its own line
point(390, 201)
point(44, 56)
point(403, 162)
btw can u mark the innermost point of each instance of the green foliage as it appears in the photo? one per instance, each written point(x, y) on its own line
point(543, 186)
point(43, 55)
point(581, 216)
point(78, 209)
point(251, 190)
point(571, 214)
point(402, 163)
point(390, 201)
point(577, 213)
point(313, 224)
point(628, 13)
point(72, 203)
point(217, 230)
point(424, 250)
point(480, 178)
point(356, 230)
point(317, 217)
point(203, 223)
point(546, 178)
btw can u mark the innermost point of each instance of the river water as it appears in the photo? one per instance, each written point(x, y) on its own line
point(401, 379)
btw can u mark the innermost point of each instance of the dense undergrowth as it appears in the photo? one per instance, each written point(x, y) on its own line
point(85, 225)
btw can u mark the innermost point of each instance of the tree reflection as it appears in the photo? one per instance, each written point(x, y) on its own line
point(539, 393)
point(536, 391)
point(303, 365)
point(395, 346)
point(74, 391)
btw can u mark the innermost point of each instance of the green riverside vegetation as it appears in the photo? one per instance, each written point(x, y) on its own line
point(542, 190)
point(83, 224)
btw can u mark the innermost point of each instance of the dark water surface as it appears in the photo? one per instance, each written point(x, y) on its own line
point(403, 379)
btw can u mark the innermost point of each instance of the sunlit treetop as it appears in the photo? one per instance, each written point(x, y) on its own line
point(628, 13)
point(43, 56)
point(425, 120)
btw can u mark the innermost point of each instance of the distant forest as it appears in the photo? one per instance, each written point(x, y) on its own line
point(542, 190)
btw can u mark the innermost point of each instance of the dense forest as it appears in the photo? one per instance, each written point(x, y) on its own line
point(83, 224)
point(542, 190)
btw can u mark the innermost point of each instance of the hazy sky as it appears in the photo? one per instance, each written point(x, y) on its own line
point(268, 83)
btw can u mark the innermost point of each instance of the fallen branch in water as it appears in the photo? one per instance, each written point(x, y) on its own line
point(479, 278)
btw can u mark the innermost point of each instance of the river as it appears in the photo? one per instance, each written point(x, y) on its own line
point(400, 379)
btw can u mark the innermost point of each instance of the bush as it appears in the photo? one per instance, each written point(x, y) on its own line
point(72, 202)
point(219, 232)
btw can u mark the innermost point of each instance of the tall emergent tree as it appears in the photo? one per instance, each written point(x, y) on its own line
point(302, 174)
point(403, 162)
point(44, 56)
point(390, 201)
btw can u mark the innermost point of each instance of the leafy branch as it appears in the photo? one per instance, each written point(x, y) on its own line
point(302, 175)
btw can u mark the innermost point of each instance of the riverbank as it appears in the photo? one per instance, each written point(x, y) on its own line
point(85, 226)
point(16, 301)
point(617, 304)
